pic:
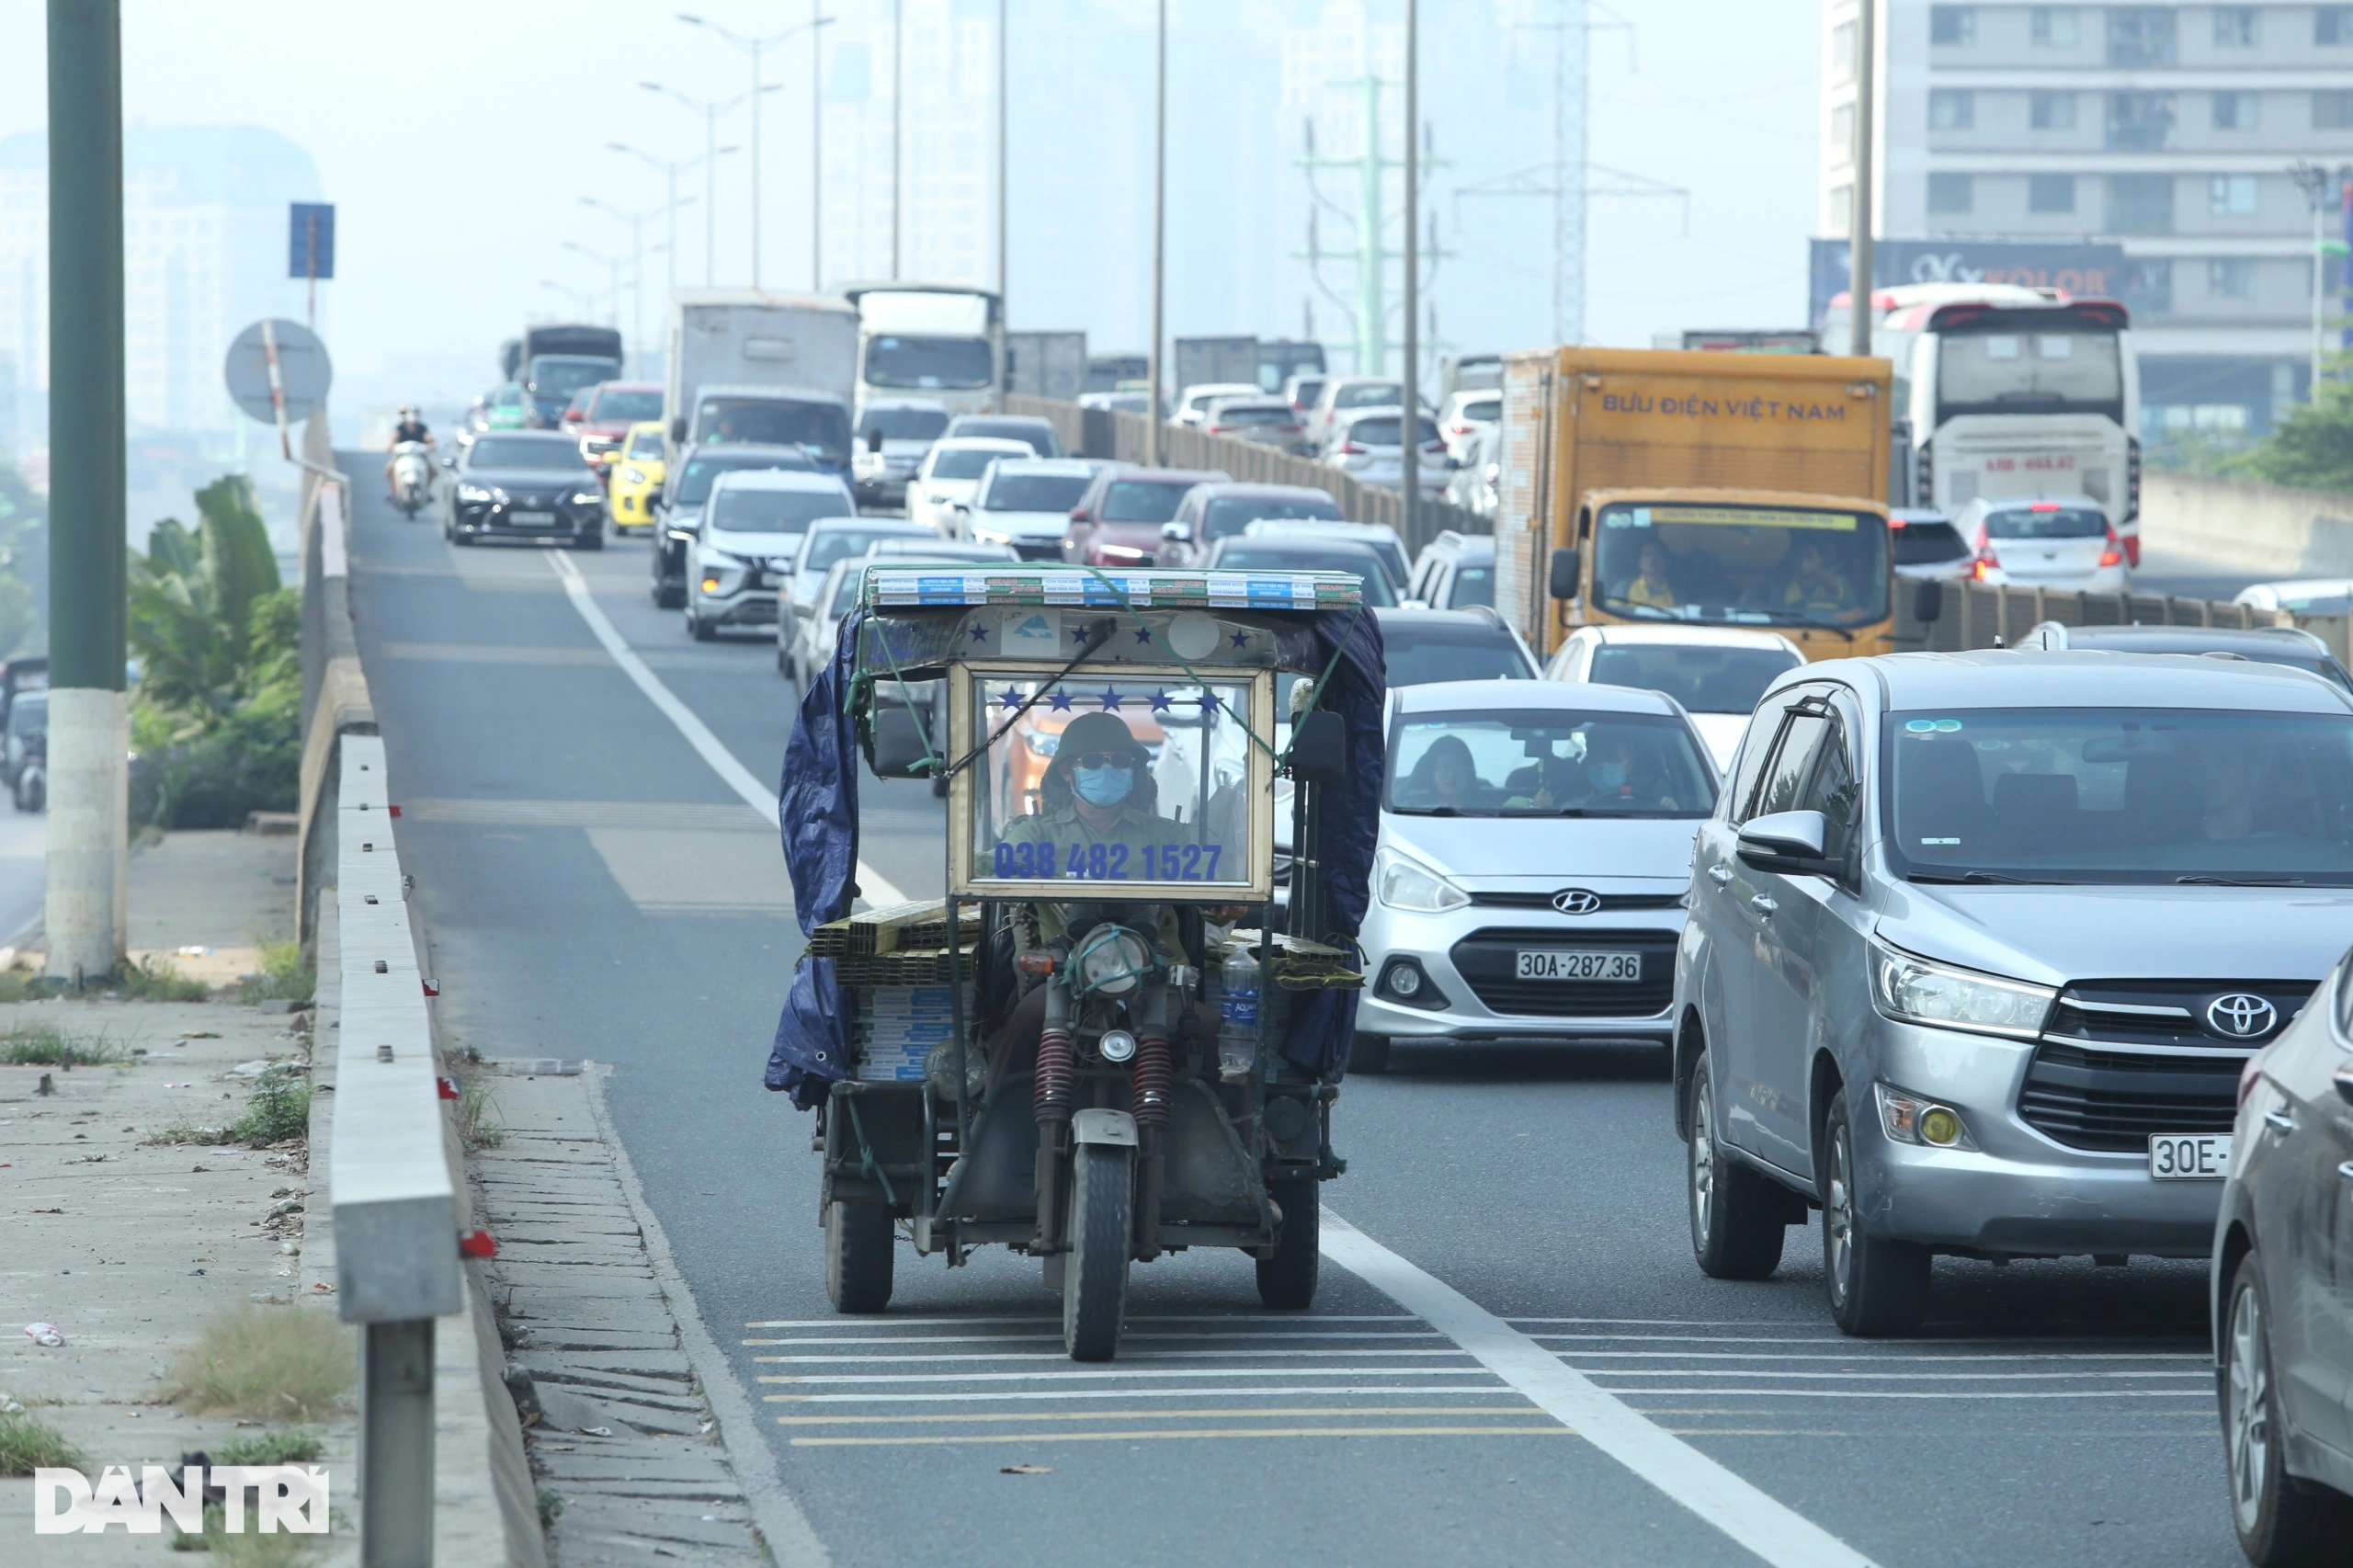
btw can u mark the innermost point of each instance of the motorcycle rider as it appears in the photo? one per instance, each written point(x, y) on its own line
point(407, 426)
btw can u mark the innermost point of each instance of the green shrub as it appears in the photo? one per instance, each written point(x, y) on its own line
point(279, 1110)
point(284, 976)
point(27, 1443)
point(271, 1363)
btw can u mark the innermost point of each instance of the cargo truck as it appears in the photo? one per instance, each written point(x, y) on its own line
point(1663, 486)
point(744, 339)
point(940, 341)
point(1046, 364)
point(556, 360)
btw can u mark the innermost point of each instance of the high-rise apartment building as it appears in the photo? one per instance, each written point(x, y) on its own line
point(2143, 147)
point(204, 239)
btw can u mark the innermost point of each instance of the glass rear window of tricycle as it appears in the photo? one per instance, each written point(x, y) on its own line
point(1114, 781)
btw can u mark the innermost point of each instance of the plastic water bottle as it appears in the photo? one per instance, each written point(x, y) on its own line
point(1237, 1033)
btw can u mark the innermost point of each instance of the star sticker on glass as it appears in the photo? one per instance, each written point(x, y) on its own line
point(979, 633)
point(1242, 639)
point(1011, 699)
point(1161, 702)
point(1078, 634)
point(1058, 701)
point(1144, 634)
point(1110, 700)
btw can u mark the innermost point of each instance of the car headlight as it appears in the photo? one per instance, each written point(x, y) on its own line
point(992, 536)
point(588, 495)
point(1402, 884)
point(1908, 1118)
point(477, 494)
point(1916, 991)
point(633, 475)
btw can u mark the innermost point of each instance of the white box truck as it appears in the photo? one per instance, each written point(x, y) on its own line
point(744, 338)
point(940, 341)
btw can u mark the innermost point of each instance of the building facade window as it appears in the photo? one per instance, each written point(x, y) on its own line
point(1842, 133)
point(2142, 35)
point(2148, 288)
point(2051, 193)
point(1842, 52)
point(2231, 196)
point(2231, 277)
point(1842, 211)
point(1951, 108)
point(2051, 111)
point(2140, 122)
point(2140, 204)
point(2237, 27)
point(2333, 110)
point(2054, 27)
point(2234, 111)
point(1949, 193)
point(1953, 26)
point(2333, 24)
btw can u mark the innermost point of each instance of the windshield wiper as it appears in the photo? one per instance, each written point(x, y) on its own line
point(2207, 881)
point(1425, 811)
point(1989, 877)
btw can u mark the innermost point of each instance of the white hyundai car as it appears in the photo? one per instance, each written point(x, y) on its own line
point(1716, 673)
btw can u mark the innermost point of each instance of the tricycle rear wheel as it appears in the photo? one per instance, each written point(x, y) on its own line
point(1095, 1275)
point(1287, 1280)
point(858, 1256)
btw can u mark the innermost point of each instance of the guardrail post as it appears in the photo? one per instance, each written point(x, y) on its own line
point(395, 1195)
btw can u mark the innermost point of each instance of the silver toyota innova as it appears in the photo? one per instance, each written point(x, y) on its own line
point(1979, 943)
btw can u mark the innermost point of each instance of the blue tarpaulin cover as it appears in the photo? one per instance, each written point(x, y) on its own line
point(817, 808)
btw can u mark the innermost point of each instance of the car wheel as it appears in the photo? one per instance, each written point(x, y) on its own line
point(858, 1256)
point(701, 630)
point(1737, 1229)
point(2281, 1522)
point(1878, 1287)
point(589, 541)
point(1370, 1053)
point(1287, 1280)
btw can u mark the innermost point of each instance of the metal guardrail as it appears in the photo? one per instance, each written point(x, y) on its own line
point(394, 1198)
point(1977, 615)
point(1123, 437)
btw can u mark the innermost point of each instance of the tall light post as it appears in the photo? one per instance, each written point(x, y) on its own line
point(898, 122)
point(636, 222)
point(710, 110)
point(671, 168)
point(1859, 287)
point(613, 265)
point(1159, 218)
point(816, 153)
point(2325, 192)
point(1002, 46)
point(754, 47)
point(1409, 390)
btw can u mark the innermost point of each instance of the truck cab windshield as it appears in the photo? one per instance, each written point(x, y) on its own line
point(929, 363)
point(556, 376)
point(820, 429)
point(1741, 566)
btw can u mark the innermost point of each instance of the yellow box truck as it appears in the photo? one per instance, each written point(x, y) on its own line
point(1662, 486)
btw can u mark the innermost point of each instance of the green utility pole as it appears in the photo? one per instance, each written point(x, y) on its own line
point(88, 732)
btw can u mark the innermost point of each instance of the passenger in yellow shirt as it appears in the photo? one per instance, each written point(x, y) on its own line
point(1650, 587)
point(1813, 586)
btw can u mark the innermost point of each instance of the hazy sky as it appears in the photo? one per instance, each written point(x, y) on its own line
point(456, 140)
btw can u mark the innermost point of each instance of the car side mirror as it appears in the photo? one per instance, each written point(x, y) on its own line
point(1319, 747)
point(1078, 514)
point(874, 440)
point(1177, 533)
point(2343, 1080)
point(1565, 573)
point(449, 464)
point(1786, 841)
point(1927, 602)
point(895, 744)
point(678, 429)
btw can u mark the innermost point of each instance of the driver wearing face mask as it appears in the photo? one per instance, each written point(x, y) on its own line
point(1096, 795)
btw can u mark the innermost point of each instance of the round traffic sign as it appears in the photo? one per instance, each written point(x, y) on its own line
point(304, 372)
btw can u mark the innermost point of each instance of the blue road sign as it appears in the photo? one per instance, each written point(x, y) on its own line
point(311, 235)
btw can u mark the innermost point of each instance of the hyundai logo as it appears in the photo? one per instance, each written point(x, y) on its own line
point(1576, 901)
point(2241, 1016)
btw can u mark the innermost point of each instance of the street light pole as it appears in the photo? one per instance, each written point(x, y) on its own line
point(86, 907)
point(671, 168)
point(1410, 384)
point(754, 47)
point(636, 222)
point(816, 153)
point(2313, 181)
point(1001, 48)
point(898, 119)
point(1858, 240)
point(1159, 218)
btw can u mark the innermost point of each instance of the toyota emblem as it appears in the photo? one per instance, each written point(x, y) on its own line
point(1576, 901)
point(2241, 1016)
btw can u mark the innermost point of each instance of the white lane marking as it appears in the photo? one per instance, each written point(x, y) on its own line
point(1748, 1514)
point(872, 885)
point(1009, 1355)
point(1719, 1392)
point(1759, 1374)
point(1251, 1342)
point(986, 1396)
point(916, 1320)
point(1583, 1354)
point(1857, 1350)
point(1043, 1376)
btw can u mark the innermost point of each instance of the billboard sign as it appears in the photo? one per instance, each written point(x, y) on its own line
point(310, 249)
point(2098, 270)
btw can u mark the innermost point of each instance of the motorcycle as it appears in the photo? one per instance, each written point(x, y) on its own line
point(412, 477)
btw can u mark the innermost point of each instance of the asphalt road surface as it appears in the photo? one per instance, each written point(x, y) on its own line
point(1513, 1358)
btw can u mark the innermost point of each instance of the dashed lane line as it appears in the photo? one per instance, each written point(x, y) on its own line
point(874, 887)
point(942, 1439)
point(1751, 1516)
point(988, 1396)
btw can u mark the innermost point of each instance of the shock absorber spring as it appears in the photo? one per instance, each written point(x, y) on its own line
point(1057, 1075)
point(1156, 1081)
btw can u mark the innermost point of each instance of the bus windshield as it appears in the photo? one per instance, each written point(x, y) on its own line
point(2016, 364)
point(1741, 566)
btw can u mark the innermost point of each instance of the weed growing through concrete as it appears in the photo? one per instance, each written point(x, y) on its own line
point(251, 1548)
point(284, 976)
point(286, 1445)
point(153, 980)
point(476, 1124)
point(279, 1110)
point(550, 1507)
point(46, 1045)
point(28, 1443)
point(275, 1363)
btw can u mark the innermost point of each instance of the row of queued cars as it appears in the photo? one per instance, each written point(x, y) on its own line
point(2129, 851)
point(1356, 424)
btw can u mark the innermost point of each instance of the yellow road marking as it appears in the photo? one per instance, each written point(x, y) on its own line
point(938, 1439)
point(1165, 1414)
